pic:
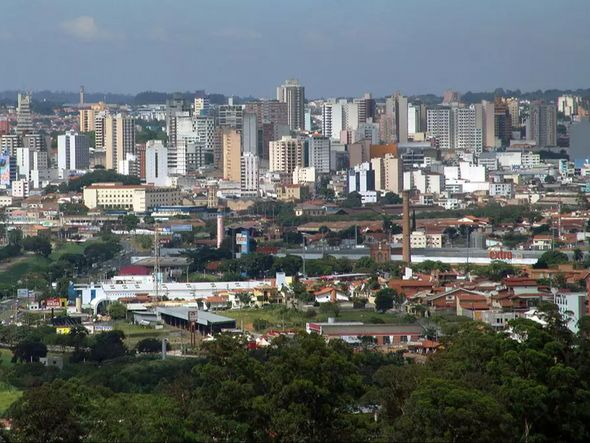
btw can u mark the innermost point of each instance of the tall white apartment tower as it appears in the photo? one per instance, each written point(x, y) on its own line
point(249, 173)
point(73, 151)
point(156, 163)
point(438, 124)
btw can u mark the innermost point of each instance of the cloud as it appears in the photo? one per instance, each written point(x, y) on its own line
point(85, 28)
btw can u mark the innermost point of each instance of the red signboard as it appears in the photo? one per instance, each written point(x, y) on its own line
point(500, 255)
point(53, 303)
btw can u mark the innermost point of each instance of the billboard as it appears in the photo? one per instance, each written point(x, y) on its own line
point(181, 228)
point(53, 303)
point(4, 170)
point(22, 293)
point(242, 239)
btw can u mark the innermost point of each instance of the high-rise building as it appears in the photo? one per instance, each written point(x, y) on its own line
point(195, 143)
point(285, 155)
point(249, 134)
point(318, 153)
point(230, 116)
point(542, 124)
point(24, 120)
point(119, 139)
point(568, 105)
point(81, 95)
point(156, 163)
point(388, 173)
point(366, 108)
point(339, 116)
point(201, 106)
point(465, 134)
point(87, 119)
point(514, 110)
point(73, 151)
point(395, 119)
point(231, 142)
point(438, 122)
point(488, 124)
point(502, 122)
point(29, 159)
point(9, 144)
point(249, 170)
point(4, 125)
point(333, 118)
point(174, 106)
point(268, 111)
point(292, 93)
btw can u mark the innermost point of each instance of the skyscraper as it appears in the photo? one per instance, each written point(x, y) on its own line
point(366, 107)
point(465, 133)
point(395, 120)
point(231, 155)
point(438, 122)
point(73, 151)
point(542, 124)
point(285, 154)
point(514, 109)
point(174, 106)
point(201, 106)
point(230, 116)
point(292, 93)
point(156, 163)
point(249, 134)
point(318, 153)
point(502, 122)
point(249, 173)
point(119, 139)
point(24, 120)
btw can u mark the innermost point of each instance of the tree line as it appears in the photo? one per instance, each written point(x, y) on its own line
point(529, 384)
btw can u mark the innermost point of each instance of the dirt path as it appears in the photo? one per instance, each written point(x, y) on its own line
point(8, 263)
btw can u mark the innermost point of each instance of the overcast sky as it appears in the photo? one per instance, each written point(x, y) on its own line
point(335, 47)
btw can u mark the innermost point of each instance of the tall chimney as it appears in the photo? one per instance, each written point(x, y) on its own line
point(81, 95)
point(406, 249)
point(220, 230)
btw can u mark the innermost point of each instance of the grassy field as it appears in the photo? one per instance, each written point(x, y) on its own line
point(135, 333)
point(67, 248)
point(8, 395)
point(5, 357)
point(26, 266)
point(278, 317)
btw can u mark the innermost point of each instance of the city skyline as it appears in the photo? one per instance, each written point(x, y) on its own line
point(230, 47)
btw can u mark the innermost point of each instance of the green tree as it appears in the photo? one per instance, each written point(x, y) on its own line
point(29, 350)
point(352, 200)
point(107, 346)
point(39, 245)
point(440, 410)
point(15, 237)
point(50, 413)
point(550, 259)
point(150, 346)
point(117, 310)
point(391, 198)
point(130, 222)
point(387, 298)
